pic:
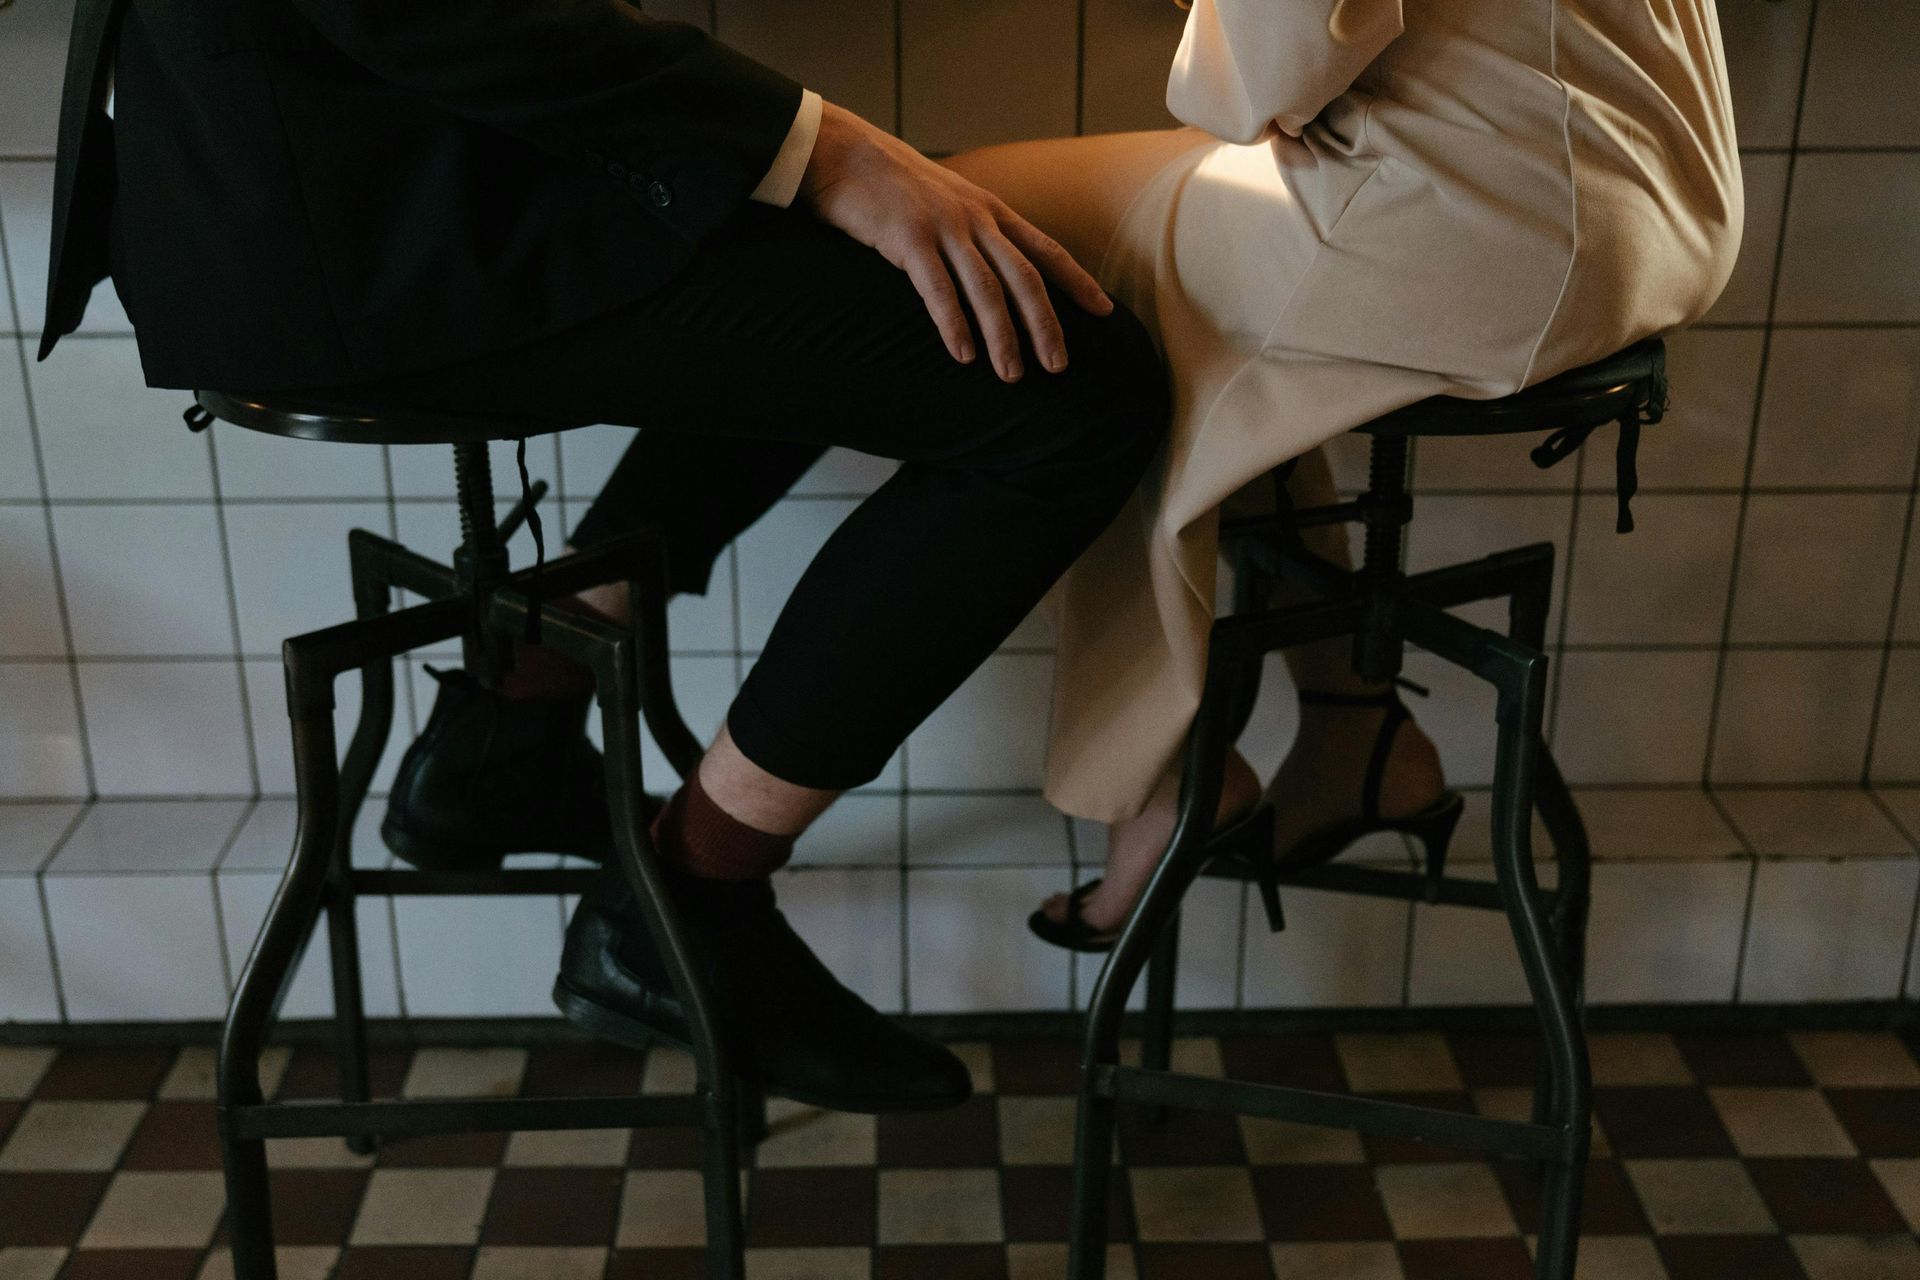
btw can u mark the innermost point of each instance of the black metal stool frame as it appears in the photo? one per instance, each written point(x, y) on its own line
point(479, 600)
point(1383, 609)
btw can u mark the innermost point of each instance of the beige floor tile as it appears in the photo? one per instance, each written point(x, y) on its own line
point(423, 1206)
point(809, 1264)
point(500, 1263)
point(800, 1136)
point(1857, 1059)
point(1444, 1201)
point(313, 1153)
point(295, 1262)
point(1209, 1202)
point(465, 1073)
point(662, 1208)
point(1637, 1058)
point(1619, 1258)
point(1858, 1257)
point(978, 1055)
point(157, 1211)
point(1049, 1262)
point(190, 1079)
point(31, 1264)
point(53, 1136)
point(940, 1206)
point(21, 1068)
point(1398, 1063)
point(1344, 1260)
point(1699, 1197)
point(1037, 1130)
point(668, 1070)
point(1283, 1142)
point(569, 1148)
point(1781, 1122)
point(1901, 1178)
point(1516, 1103)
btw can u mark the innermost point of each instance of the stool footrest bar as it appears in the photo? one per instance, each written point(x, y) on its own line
point(400, 883)
point(412, 1118)
point(1335, 1111)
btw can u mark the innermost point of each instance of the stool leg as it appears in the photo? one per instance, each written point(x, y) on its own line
point(1156, 1044)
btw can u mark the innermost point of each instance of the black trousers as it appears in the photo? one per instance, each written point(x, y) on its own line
point(785, 337)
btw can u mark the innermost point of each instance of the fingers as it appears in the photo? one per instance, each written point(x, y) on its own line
point(928, 271)
point(988, 299)
point(1029, 292)
point(1055, 263)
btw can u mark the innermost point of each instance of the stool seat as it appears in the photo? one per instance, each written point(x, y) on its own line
point(1592, 395)
point(301, 416)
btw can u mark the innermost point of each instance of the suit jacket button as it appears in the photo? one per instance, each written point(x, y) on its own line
point(617, 171)
point(659, 194)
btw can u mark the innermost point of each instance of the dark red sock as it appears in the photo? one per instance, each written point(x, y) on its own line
point(705, 839)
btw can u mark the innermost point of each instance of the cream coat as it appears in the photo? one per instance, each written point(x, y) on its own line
point(1391, 199)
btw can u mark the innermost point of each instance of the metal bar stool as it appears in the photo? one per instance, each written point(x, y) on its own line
point(1383, 609)
point(479, 599)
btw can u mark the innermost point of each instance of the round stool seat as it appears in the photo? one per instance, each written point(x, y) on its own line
point(1620, 386)
point(304, 417)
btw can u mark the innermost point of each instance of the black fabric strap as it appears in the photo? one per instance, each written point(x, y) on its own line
point(539, 541)
point(1397, 715)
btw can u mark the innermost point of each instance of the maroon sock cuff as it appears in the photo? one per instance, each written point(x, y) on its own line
point(710, 842)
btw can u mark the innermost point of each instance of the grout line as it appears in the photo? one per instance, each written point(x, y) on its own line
point(1893, 626)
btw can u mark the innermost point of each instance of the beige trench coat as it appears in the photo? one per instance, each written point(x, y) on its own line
point(1388, 199)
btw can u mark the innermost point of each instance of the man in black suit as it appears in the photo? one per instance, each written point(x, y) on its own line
point(563, 208)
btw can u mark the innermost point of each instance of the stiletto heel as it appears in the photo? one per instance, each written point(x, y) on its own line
point(1434, 830)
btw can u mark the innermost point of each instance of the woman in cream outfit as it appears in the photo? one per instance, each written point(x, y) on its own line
point(1379, 201)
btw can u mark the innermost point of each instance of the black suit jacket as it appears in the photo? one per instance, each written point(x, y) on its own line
point(313, 192)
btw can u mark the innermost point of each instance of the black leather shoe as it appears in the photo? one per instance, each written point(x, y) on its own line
point(490, 776)
point(792, 1027)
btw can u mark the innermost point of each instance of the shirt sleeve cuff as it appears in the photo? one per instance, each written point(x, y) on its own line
point(782, 182)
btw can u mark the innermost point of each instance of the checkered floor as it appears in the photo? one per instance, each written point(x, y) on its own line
point(1756, 1157)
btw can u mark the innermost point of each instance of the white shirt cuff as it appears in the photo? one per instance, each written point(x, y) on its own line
point(782, 182)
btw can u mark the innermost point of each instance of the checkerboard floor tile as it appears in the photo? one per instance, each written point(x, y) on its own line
point(1753, 1156)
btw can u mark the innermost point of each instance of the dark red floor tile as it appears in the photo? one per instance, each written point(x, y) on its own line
point(311, 1073)
point(104, 1074)
point(47, 1209)
point(1034, 1201)
point(966, 1136)
point(1404, 1151)
point(1205, 1262)
point(1657, 1121)
point(1320, 1202)
point(1824, 1196)
point(941, 1262)
point(674, 1148)
point(576, 1070)
point(1180, 1138)
point(553, 1207)
point(1302, 1062)
point(1881, 1122)
point(1465, 1260)
point(410, 1262)
point(796, 1208)
point(1496, 1060)
point(1608, 1205)
point(1740, 1058)
point(132, 1264)
point(316, 1206)
point(1036, 1066)
point(175, 1135)
point(444, 1151)
point(1730, 1258)
point(657, 1264)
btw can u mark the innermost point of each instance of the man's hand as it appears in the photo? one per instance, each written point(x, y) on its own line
point(939, 228)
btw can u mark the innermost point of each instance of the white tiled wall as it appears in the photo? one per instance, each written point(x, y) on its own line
point(1761, 633)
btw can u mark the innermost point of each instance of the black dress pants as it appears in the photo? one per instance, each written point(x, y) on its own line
point(784, 337)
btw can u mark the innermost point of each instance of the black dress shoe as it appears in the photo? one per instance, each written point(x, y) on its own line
point(490, 776)
point(792, 1027)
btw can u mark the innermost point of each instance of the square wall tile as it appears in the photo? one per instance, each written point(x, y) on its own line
point(291, 574)
point(1802, 909)
point(166, 728)
point(105, 434)
point(244, 897)
point(1853, 246)
point(26, 185)
point(858, 831)
point(1492, 463)
point(984, 831)
point(844, 473)
point(959, 56)
point(32, 61)
point(968, 950)
point(147, 837)
point(254, 464)
point(1906, 616)
point(27, 991)
point(136, 948)
point(1639, 825)
point(264, 841)
point(1667, 585)
point(1666, 932)
point(1447, 530)
point(1833, 588)
point(20, 474)
point(1896, 747)
point(1702, 443)
point(852, 920)
point(1765, 42)
point(1337, 951)
point(703, 688)
point(991, 734)
point(1794, 715)
point(1747, 296)
point(144, 580)
point(41, 753)
point(1842, 409)
point(1129, 51)
point(1633, 717)
point(29, 833)
point(695, 623)
point(426, 471)
point(1464, 956)
point(774, 553)
point(30, 625)
point(478, 957)
point(588, 456)
point(1826, 823)
point(273, 731)
point(841, 49)
point(1864, 51)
